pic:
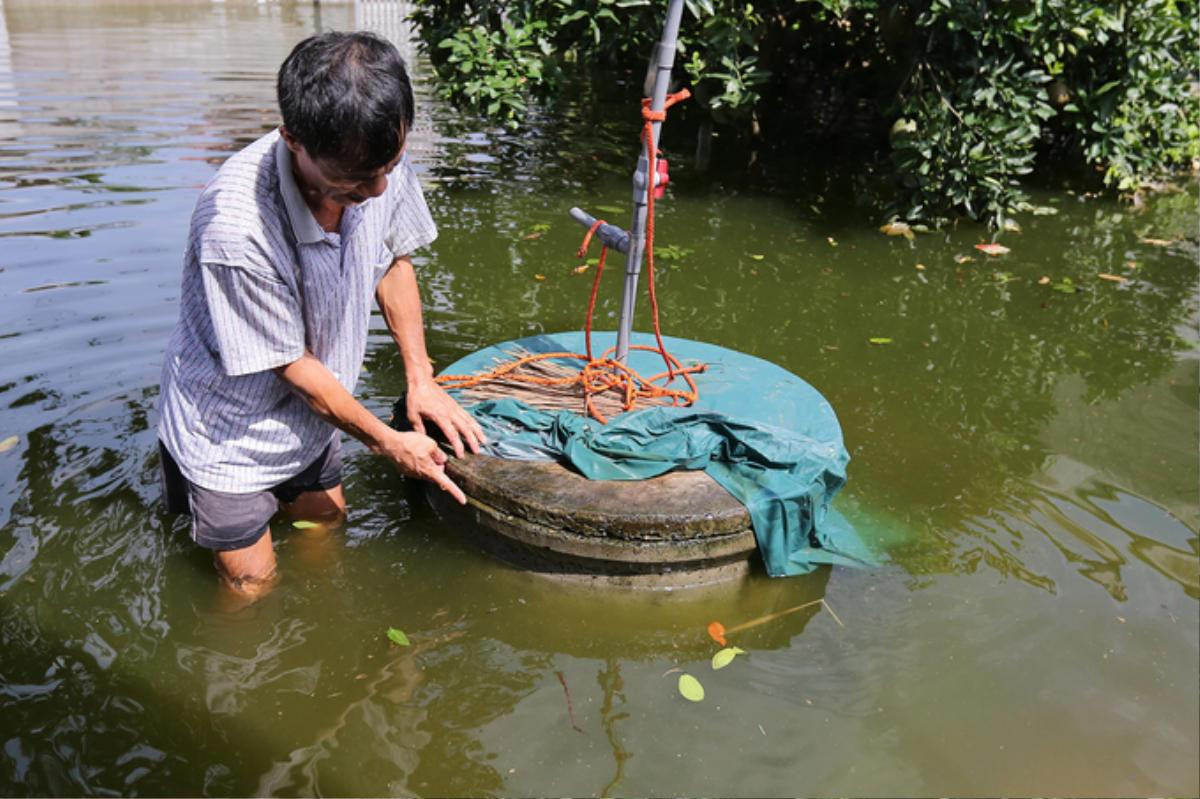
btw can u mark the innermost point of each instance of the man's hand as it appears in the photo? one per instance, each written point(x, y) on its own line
point(429, 401)
point(417, 455)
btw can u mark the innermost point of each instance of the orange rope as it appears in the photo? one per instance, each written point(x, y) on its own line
point(598, 375)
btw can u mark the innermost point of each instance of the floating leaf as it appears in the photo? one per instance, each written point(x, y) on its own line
point(301, 524)
point(579, 270)
point(1004, 277)
point(8, 443)
point(1066, 286)
point(897, 228)
point(1044, 210)
point(531, 236)
point(539, 277)
point(992, 249)
point(1044, 280)
point(397, 636)
point(963, 259)
point(716, 631)
point(691, 688)
point(1157, 242)
point(757, 257)
point(832, 241)
point(724, 657)
point(1011, 226)
point(671, 252)
point(920, 267)
point(1113, 278)
point(880, 340)
point(610, 209)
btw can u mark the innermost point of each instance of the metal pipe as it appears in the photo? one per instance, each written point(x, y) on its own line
point(662, 62)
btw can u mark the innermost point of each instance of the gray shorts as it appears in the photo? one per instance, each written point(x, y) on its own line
point(223, 521)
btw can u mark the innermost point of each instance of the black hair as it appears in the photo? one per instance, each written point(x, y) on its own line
point(346, 97)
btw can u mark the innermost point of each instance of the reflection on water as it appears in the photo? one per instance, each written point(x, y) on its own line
point(1026, 458)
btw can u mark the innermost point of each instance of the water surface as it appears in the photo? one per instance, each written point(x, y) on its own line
point(1025, 460)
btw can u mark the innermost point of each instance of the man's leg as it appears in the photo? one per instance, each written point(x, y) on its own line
point(326, 505)
point(315, 495)
point(233, 526)
point(248, 572)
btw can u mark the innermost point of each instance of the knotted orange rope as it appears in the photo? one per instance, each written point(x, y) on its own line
point(598, 375)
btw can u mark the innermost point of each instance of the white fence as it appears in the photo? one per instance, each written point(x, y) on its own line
point(388, 18)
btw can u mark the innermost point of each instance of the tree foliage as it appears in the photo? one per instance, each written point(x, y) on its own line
point(958, 100)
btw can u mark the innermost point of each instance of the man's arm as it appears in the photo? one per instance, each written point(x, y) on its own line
point(414, 454)
point(400, 300)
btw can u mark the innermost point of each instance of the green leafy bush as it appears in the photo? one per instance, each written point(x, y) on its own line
point(957, 100)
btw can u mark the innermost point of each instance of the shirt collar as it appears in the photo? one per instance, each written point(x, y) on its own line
point(304, 224)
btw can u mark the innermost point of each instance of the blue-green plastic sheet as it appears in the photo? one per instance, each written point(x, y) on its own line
point(766, 436)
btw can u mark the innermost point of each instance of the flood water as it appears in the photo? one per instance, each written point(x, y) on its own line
point(1025, 460)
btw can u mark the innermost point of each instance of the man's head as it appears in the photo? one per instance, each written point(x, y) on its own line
point(347, 106)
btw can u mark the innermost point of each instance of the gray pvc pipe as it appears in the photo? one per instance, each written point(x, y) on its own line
point(664, 60)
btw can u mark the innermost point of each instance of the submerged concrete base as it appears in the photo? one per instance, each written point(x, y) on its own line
point(673, 531)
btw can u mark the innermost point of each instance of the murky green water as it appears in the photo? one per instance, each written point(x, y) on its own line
point(1026, 458)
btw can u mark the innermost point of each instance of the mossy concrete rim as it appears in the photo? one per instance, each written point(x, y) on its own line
point(677, 530)
point(676, 507)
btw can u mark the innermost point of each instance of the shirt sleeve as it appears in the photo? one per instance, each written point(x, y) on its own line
point(410, 226)
point(256, 318)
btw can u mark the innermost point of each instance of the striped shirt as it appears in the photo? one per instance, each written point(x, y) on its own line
point(262, 283)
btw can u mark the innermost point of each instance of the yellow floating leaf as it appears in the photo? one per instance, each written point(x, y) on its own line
point(898, 229)
point(725, 656)
point(963, 259)
point(1011, 226)
point(1157, 242)
point(757, 257)
point(879, 340)
point(539, 277)
point(690, 688)
point(8, 443)
point(920, 267)
point(303, 525)
point(535, 235)
point(579, 270)
point(992, 249)
point(832, 241)
point(1113, 278)
point(1044, 280)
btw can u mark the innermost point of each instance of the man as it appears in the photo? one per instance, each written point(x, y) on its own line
point(289, 243)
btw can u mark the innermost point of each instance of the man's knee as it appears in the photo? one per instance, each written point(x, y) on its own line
point(250, 570)
point(323, 505)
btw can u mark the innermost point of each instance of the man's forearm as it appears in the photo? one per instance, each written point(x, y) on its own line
point(413, 453)
point(330, 400)
point(400, 300)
